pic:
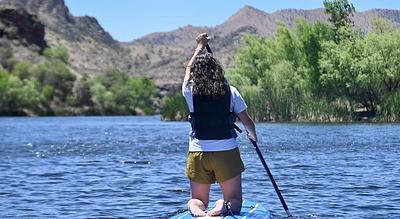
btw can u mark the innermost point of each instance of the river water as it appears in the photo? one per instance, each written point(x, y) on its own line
point(133, 167)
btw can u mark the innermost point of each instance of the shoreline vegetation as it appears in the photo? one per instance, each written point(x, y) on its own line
point(314, 72)
point(50, 89)
point(319, 72)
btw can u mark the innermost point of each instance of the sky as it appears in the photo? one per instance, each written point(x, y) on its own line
point(127, 20)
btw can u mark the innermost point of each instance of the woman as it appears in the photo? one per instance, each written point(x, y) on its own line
point(213, 150)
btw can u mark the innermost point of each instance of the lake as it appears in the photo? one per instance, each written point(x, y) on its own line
point(133, 167)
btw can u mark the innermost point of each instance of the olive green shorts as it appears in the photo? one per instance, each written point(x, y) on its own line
point(210, 167)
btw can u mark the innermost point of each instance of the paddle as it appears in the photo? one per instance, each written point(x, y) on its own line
point(207, 46)
point(271, 178)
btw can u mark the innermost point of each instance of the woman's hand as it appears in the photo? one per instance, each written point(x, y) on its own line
point(252, 136)
point(202, 41)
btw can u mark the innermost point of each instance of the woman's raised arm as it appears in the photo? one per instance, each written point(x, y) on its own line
point(202, 40)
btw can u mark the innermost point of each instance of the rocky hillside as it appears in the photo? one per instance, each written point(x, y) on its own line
point(22, 36)
point(91, 48)
point(161, 56)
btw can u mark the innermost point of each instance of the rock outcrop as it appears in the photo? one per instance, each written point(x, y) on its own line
point(20, 25)
point(92, 50)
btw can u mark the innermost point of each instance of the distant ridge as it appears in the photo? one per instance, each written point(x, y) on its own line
point(162, 55)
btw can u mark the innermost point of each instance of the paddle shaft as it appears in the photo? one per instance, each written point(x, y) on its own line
point(271, 178)
point(208, 49)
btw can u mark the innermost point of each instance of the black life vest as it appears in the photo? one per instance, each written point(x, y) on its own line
point(211, 118)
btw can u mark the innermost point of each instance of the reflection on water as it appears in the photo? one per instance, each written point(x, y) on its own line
point(84, 167)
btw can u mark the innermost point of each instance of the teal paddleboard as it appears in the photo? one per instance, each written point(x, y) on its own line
point(249, 210)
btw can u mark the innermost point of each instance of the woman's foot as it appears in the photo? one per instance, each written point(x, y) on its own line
point(219, 208)
point(196, 207)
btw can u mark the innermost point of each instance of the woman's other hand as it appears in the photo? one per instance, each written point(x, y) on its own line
point(252, 136)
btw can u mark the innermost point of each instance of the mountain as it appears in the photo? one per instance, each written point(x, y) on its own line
point(91, 48)
point(161, 56)
point(175, 47)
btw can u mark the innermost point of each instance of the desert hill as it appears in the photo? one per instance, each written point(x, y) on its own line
point(160, 56)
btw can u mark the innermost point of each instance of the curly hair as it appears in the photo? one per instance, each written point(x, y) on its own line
point(208, 76)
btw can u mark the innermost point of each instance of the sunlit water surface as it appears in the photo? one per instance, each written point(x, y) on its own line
point(133, 167)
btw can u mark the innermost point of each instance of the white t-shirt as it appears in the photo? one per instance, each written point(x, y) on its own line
point(237, 105)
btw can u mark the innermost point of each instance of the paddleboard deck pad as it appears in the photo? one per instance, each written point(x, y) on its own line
point(249, 210)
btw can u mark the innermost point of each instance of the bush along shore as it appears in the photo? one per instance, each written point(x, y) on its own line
point(50, 88)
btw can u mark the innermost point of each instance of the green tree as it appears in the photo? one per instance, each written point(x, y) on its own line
point(381, 25)
point(4, 76)
point(256, 56)
point(57, 54)
point(145, 90)
point(311, 36)
point(103, 99)
point(285, 89)
point(236, 79)
point(125, 94)
point(255, 99)
point(17, 96)
point(390, 109)
point(364, 71)
point(22, 70)
point(83, 95)
point(57, 75)
point(287, 47)
point(113, 77)
point(341, 12)
point(320, 72)
point(173, 107)
point(48, 93)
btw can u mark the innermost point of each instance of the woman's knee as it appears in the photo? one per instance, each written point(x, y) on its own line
point(200, 192)
point(232, 188)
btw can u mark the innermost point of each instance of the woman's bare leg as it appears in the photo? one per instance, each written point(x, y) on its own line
point(232, 192)
point(200, 198)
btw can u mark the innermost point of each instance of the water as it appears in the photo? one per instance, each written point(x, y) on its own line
point(133, 167)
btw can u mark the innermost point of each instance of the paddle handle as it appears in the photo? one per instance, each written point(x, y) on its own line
point(271, 178)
